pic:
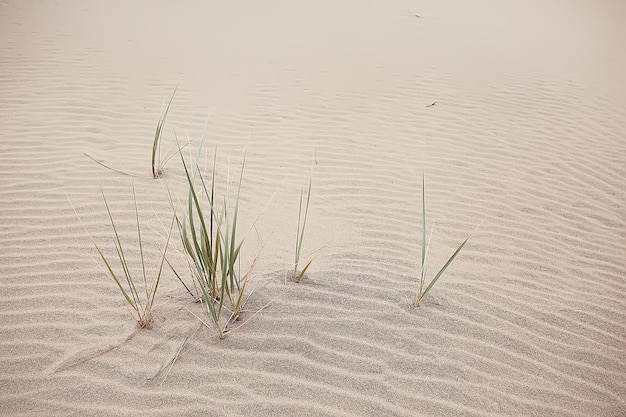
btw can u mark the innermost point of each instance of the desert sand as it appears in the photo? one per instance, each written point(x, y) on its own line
point(525, 146)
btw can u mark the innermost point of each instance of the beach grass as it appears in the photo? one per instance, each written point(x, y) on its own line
point(302, 218)
point(157, 164)
point(209, 235)
point(140, 302)
point(423, 290)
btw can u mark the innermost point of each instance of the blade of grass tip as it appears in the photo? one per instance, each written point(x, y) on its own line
point(189, 142)
point(441, 271)
point(108, 167)
point(258, 217)
point(211, 195)
point(196, 161)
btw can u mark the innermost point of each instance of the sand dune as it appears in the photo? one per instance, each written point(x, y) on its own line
point(525, 140)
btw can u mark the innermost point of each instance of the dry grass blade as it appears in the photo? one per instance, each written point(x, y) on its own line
point(108, 167)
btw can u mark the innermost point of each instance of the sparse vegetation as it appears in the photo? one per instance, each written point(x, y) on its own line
point(208, 228)
point(421, 291)
point(157, 165)
point(209, 237)
point(302, 217)
point(140, 302)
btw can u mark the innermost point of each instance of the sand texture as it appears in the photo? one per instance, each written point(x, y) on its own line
point(515, 113)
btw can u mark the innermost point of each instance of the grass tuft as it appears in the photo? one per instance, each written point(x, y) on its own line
point(208, 233)
point(302, 217)
point(421, 290)
point(141, 304)
point(157, 166)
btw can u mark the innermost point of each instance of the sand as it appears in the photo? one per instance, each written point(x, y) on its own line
point(525, 143)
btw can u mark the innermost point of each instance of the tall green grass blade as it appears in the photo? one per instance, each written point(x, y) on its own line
point(302, 218)
point(195, 247)
point(142, 309)
point(122, 258)
point(234, 250)
point(423, 223)
point(157, 137)
point(143, 263)
point(421, 291)
point(115, 278)
point(155, 284)
point(297, 252)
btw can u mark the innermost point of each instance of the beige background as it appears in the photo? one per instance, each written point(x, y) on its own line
point(527, 136)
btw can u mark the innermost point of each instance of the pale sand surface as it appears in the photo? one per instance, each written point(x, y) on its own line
point(528, 136)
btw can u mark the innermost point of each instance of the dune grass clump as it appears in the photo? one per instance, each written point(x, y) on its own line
point(208, 232)
point(421, 290)
point(141, 302)
point(302, 217)
point(157, 165)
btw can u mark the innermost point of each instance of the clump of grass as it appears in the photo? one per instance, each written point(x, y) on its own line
point(141, 304)
point(209, 238)
point(157, 166)
point(421, 290)
point(302, 217)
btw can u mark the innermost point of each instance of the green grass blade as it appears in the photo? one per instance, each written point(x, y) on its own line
point(441, 271)
point(155, 284)
point(193, 201)
point(143, 263)
point(297, 252)
point(122, 257)
point(107, 264)
point(157, 136)
point(304, 218)
point(232, 255)
point(423, 223)
point(116, 279)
